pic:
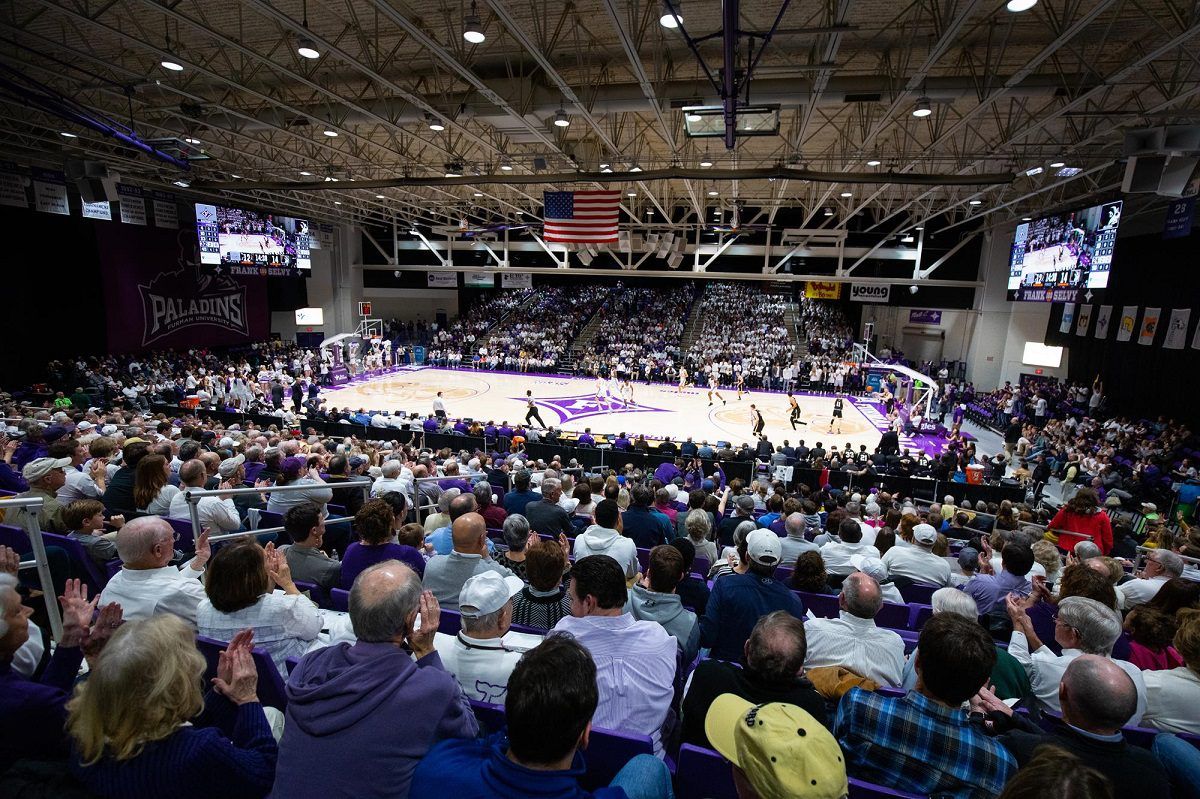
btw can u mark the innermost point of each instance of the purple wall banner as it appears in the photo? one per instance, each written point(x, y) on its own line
point(157, 296)
point(921, 316)
point(1179, 218)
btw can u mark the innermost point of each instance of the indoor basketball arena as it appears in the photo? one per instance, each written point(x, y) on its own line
point(655, 399)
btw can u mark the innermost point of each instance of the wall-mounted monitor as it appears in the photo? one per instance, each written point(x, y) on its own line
point(310, 317)
point(1058, 258)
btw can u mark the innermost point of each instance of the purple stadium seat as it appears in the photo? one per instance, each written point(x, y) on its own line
point(919, 614)
point(270, 684)
point(315, 592)
point(824, 606)
point(15, 538)
point(865, 790)
point(267, 518)
point(186, 538)
point(339, 599)
point(608, 752)
point(918, 592)
point(703, 772)
point(643, 556)
point(490, 717)
point(784, 574)
point(910, 639)
point(82, 565)
point(701, 566)
point(894, 617)
point(450, 622)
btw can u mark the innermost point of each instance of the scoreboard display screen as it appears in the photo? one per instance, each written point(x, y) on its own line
point(1059, 258)
point(245, 242)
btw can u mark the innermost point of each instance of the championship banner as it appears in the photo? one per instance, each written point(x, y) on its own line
point(133, 205)
point(50, 192)
point(1177, 329)
point(12, 186)
point(1068, 318)
point(1149, 326)
point(1128, 323)
point(441, 280)
point(166, 210)
point(516, 280)
point(98, 210)
point(157, 295)
point(814, 290)
point(1102, 319)
point(1084, 319)
point(860, 292)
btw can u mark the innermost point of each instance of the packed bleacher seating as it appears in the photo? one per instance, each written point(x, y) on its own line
point(456, 344)
point(641, 332)
point(976, 590)
point(741, 331)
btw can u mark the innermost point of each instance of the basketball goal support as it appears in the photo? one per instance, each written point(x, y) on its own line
point(924, 387)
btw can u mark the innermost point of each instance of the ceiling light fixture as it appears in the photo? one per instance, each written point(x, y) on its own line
point(68, 134)
point(305, 46)
point(1058, 164)
point(183, 184)
point(1036, 170)
point(434, 123)
point(606, 168)
point(454, 170)
point(976, 202)
point(235, 177)
point(712, 193)
point(670, 18)
point(706, 162)
point(337, 202)
point(874, 162)
point(631, 194)
point(1017, 6)
point(1027, 219)
point(847, 194)
point(828, 212)
point(472, 29)
point(478, 194)
point(560, 118)
point(506, 165)
point(923, 108)
point(330, 132)
point(380, 197)
point(305, 173)
point(635, 168)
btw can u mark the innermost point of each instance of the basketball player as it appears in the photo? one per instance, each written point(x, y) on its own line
point(741, 385)
point(714, 386)
point(627, 392)
point(756, 419)
point(613, 388)
point(837, 414)
point(531, 410)
point(601, 386)
point(683, 377)
point(794, 411)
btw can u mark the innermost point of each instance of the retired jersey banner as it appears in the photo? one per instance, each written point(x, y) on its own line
point(815, 290)
point(1149, 326)
point(1177, 329)
point(1102, 319)
point(1068, 318)
point(1128, 323)
point(157, 295)
point(1083, 320)
point(12, 186)
point(50, 192)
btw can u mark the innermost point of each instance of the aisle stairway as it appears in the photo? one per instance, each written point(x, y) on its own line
point(692, 328)
point(512, 313)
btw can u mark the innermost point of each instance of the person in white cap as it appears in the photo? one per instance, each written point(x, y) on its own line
point(874, 567)
point(45, 476)
point(918, 564)
point(852, 640)
point(484, 652)
point(739, 600)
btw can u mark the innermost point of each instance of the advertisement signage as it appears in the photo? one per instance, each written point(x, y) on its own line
point(868, 293)
point(815, 290)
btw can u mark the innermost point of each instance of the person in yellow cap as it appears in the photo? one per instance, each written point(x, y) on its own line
point(778, 751)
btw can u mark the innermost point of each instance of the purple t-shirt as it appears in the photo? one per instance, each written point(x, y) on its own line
point(359, 558)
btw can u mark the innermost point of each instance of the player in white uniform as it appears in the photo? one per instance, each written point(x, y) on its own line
point(601, 388)
point(714, 383)
point(612, 388)
point(683, 378)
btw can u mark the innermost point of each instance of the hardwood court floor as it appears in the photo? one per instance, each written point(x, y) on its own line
point(569, 403)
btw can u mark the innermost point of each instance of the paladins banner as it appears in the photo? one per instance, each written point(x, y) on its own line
point(157, 296)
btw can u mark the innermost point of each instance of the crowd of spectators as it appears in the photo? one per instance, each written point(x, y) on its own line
point(650, 349)
point(489, 538)
point(455, 345)
point(742, 332)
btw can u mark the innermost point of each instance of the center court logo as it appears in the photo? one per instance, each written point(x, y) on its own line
point(584, 405)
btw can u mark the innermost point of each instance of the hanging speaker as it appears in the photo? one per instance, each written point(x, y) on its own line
point(1176, 175)
point(91, 180)
point(1143, 173)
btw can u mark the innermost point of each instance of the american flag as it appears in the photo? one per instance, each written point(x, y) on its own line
point(581, 217)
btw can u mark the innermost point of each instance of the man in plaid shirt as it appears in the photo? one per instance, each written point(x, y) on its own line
point(922, 743)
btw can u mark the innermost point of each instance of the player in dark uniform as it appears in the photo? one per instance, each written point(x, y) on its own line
point(837, 414)
point(794, 411)
point(532, 409)
point(756, 418)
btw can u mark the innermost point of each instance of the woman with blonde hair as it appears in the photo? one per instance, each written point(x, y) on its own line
point(152, 491)
point(137, 722)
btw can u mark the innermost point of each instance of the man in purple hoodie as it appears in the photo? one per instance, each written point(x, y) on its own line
point(370, 703)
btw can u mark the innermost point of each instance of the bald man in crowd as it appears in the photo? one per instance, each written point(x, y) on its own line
point(147, 584)
point(445, 574)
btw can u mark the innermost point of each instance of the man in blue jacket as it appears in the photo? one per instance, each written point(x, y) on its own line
point(549, 721)
point(647, 527)
point(520, 496)
point(738, 601)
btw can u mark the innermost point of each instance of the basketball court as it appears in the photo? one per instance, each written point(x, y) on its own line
point(569, 403)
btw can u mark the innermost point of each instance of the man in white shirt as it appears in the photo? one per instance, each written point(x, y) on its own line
point(146, 584)
point(918, 563)
point(1161, 566)
point(852, 640)
point(836, 554)
point(1083, 627)
point(393, 479)
point(439, 407)
point(795, 544)
point(854, 511)
point(214, 512)
point(80, 484)
point(635, 660)
point(483, 654)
